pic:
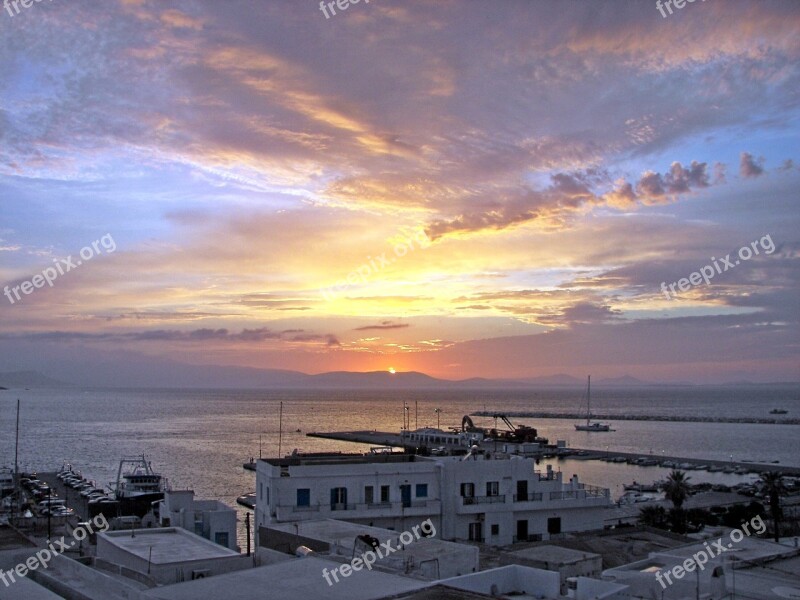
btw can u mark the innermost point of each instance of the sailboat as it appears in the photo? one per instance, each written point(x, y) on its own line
point(596, 426)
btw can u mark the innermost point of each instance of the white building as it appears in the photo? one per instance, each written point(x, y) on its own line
point(749, 568)
point(168, 555)
point(497, 501)
point(422, 558)
point(211, 519)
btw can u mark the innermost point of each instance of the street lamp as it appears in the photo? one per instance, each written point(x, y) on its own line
point(437, 411)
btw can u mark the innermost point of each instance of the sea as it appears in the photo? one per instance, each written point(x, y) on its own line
point(199, 439)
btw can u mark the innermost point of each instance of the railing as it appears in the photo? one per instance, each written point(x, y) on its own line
point(531, 497)
point(340, 506)
point(568, 495)
point(484, 499)
point(593, 491)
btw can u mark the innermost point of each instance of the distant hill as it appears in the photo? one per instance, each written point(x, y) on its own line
point(154, 372)
point(28, 379)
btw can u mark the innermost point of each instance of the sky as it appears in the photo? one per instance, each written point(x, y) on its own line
point(463, 188)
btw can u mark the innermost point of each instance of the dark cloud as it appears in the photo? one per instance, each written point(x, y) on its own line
point(383, 325)
point(570, 192)
point(749, 166)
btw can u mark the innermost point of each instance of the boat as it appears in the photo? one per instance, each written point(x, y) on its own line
point(642, 487)
point(6, 481)
point(248, 500)
point(139, 482)
point(591, 426)
point(137, 487)
point(778, 411)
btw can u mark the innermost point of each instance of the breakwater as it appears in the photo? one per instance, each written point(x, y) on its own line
point(672, 418)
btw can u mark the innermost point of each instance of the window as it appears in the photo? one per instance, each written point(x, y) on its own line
point(221, 538)
point(422, 490)
point(304, 497)
point(495, 529)
point(369, 494)
point(338, 498)
point(468, 490)
point(385, 493)
point(492, 488)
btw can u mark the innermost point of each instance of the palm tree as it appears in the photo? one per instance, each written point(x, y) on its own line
point(676, 489)
point(654, 516)
point(773, 486)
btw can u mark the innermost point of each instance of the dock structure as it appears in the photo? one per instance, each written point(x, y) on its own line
point(374, 438)
point(616, 417)
point(385, 438)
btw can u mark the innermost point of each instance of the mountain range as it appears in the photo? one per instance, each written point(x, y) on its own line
point(172, 374)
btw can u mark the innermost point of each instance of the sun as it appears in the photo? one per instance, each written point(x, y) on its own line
point(392, 371)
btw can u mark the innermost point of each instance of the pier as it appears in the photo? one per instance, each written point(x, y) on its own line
point(385, 438)
point(608, 417)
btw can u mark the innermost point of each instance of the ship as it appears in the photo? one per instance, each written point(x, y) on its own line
point(591, 426)
point(137, 489)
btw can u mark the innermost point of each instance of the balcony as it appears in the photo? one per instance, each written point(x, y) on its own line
point(584, 492)
point(532, 497)
point(421, 508)
point(469, 500)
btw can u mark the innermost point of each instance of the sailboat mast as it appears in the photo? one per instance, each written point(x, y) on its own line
point(589, 400)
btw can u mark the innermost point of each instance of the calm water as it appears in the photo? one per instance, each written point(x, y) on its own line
point(199, 439)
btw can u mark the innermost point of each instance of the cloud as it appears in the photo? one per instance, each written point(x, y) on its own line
point(383, 325)
point(203, 335)
point(749, 167)
point(570, 193)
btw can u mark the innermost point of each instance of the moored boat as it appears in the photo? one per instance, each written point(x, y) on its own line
point(591, 426)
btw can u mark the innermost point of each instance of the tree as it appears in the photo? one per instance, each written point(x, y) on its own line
point(773, 487)
point(676, 489)
point(653, 516)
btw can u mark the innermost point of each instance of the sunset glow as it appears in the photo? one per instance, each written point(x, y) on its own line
point(494, 192)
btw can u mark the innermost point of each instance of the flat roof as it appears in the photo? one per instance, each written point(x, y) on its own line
point(343, 533)
point(167, 544)
point(748, 549)
point(553, 554)
point(337, 458)
point(296, 579)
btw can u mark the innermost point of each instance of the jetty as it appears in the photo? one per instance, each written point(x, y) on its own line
point(385, 438)
point(616, 417)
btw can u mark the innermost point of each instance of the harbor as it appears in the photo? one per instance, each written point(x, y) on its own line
point(664, 418)
point(396, 440)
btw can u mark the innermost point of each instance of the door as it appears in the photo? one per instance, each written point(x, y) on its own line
point(405, 495)
point(522, 530)
point(522, 490)
point(554, 525)
point(476, 532)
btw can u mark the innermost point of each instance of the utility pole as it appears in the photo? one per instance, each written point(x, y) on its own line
point(16, 464)
point(49, 510)
point(247, 526)
point(280, 430)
